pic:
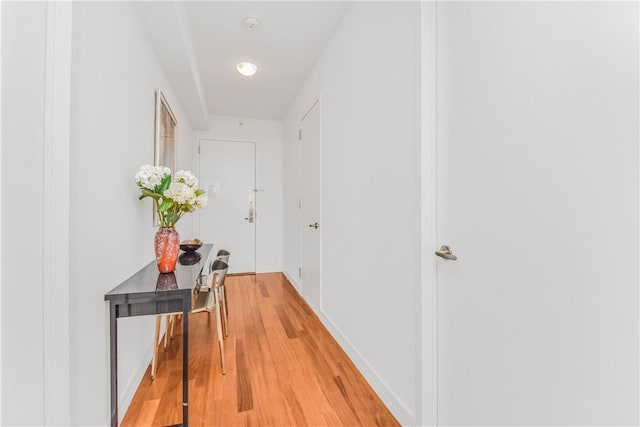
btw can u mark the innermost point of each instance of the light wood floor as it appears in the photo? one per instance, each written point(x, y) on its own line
point(283, 368)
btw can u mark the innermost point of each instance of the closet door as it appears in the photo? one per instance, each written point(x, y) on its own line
point(310, 221)
point(537, 119)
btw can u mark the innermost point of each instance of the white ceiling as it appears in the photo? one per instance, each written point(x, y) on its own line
point(213, 38)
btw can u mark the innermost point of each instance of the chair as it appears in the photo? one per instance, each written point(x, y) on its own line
point(220, 268)
point(215, 283)
point(208, 297)
point(223, 255)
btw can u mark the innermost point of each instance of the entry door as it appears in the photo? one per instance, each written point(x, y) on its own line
point(538, 198)
point(227, 173)
point(311, 227)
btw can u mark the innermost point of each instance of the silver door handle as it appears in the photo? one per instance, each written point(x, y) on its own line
point(314, 225)
point(445, 252)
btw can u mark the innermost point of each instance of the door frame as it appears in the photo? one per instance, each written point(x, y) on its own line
point(56, 227)
point(255, 189)
point(316, 102)
point(428, 292)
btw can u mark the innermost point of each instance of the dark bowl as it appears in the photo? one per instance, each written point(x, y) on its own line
point(191, 247)
point(189, 258)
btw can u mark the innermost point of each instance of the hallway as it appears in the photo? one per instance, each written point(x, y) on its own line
point(505, 134)
point(283, 368)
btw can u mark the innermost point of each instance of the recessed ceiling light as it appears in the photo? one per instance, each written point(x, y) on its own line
point(247, 68)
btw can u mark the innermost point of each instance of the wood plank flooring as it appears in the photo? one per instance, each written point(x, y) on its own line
point(283, 368)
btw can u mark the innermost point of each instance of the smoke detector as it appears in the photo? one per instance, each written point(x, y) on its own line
point(252, 22)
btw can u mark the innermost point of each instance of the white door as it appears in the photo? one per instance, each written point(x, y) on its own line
point(311, 227)
point(538, 197)
point(227, 173)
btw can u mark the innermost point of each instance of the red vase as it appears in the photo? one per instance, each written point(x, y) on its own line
point(167, 245)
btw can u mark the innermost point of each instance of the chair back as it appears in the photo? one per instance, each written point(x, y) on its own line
point(223, 255)
point(218, 273)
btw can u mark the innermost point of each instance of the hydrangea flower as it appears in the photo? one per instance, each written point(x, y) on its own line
point(173, 195)
point(180, 193)
point(150, 177)
point(201, 201)
point(186, 177)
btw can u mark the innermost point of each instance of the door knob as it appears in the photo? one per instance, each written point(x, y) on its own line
point(446, 253)
point(314, 225)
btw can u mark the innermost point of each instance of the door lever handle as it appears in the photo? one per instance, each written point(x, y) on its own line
point(314, 225)
point(446, 253)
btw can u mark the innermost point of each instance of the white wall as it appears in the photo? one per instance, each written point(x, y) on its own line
point(267, 134)
point(115, 74)
point(369, 84)
point(23, 72)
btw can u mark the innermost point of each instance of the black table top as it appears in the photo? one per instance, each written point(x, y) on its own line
point(150, 281)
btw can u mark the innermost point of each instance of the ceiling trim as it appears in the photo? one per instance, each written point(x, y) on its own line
point(181, 14)
point(167, 29)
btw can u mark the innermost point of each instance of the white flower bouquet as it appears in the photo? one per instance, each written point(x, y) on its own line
point(173, 195)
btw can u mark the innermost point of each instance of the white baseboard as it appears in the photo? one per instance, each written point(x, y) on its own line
point(403, 414)
point(291, 278)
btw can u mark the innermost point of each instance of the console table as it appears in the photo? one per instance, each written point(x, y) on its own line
point(150, 292)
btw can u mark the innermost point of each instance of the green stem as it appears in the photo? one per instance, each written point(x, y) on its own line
point(160, 215)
